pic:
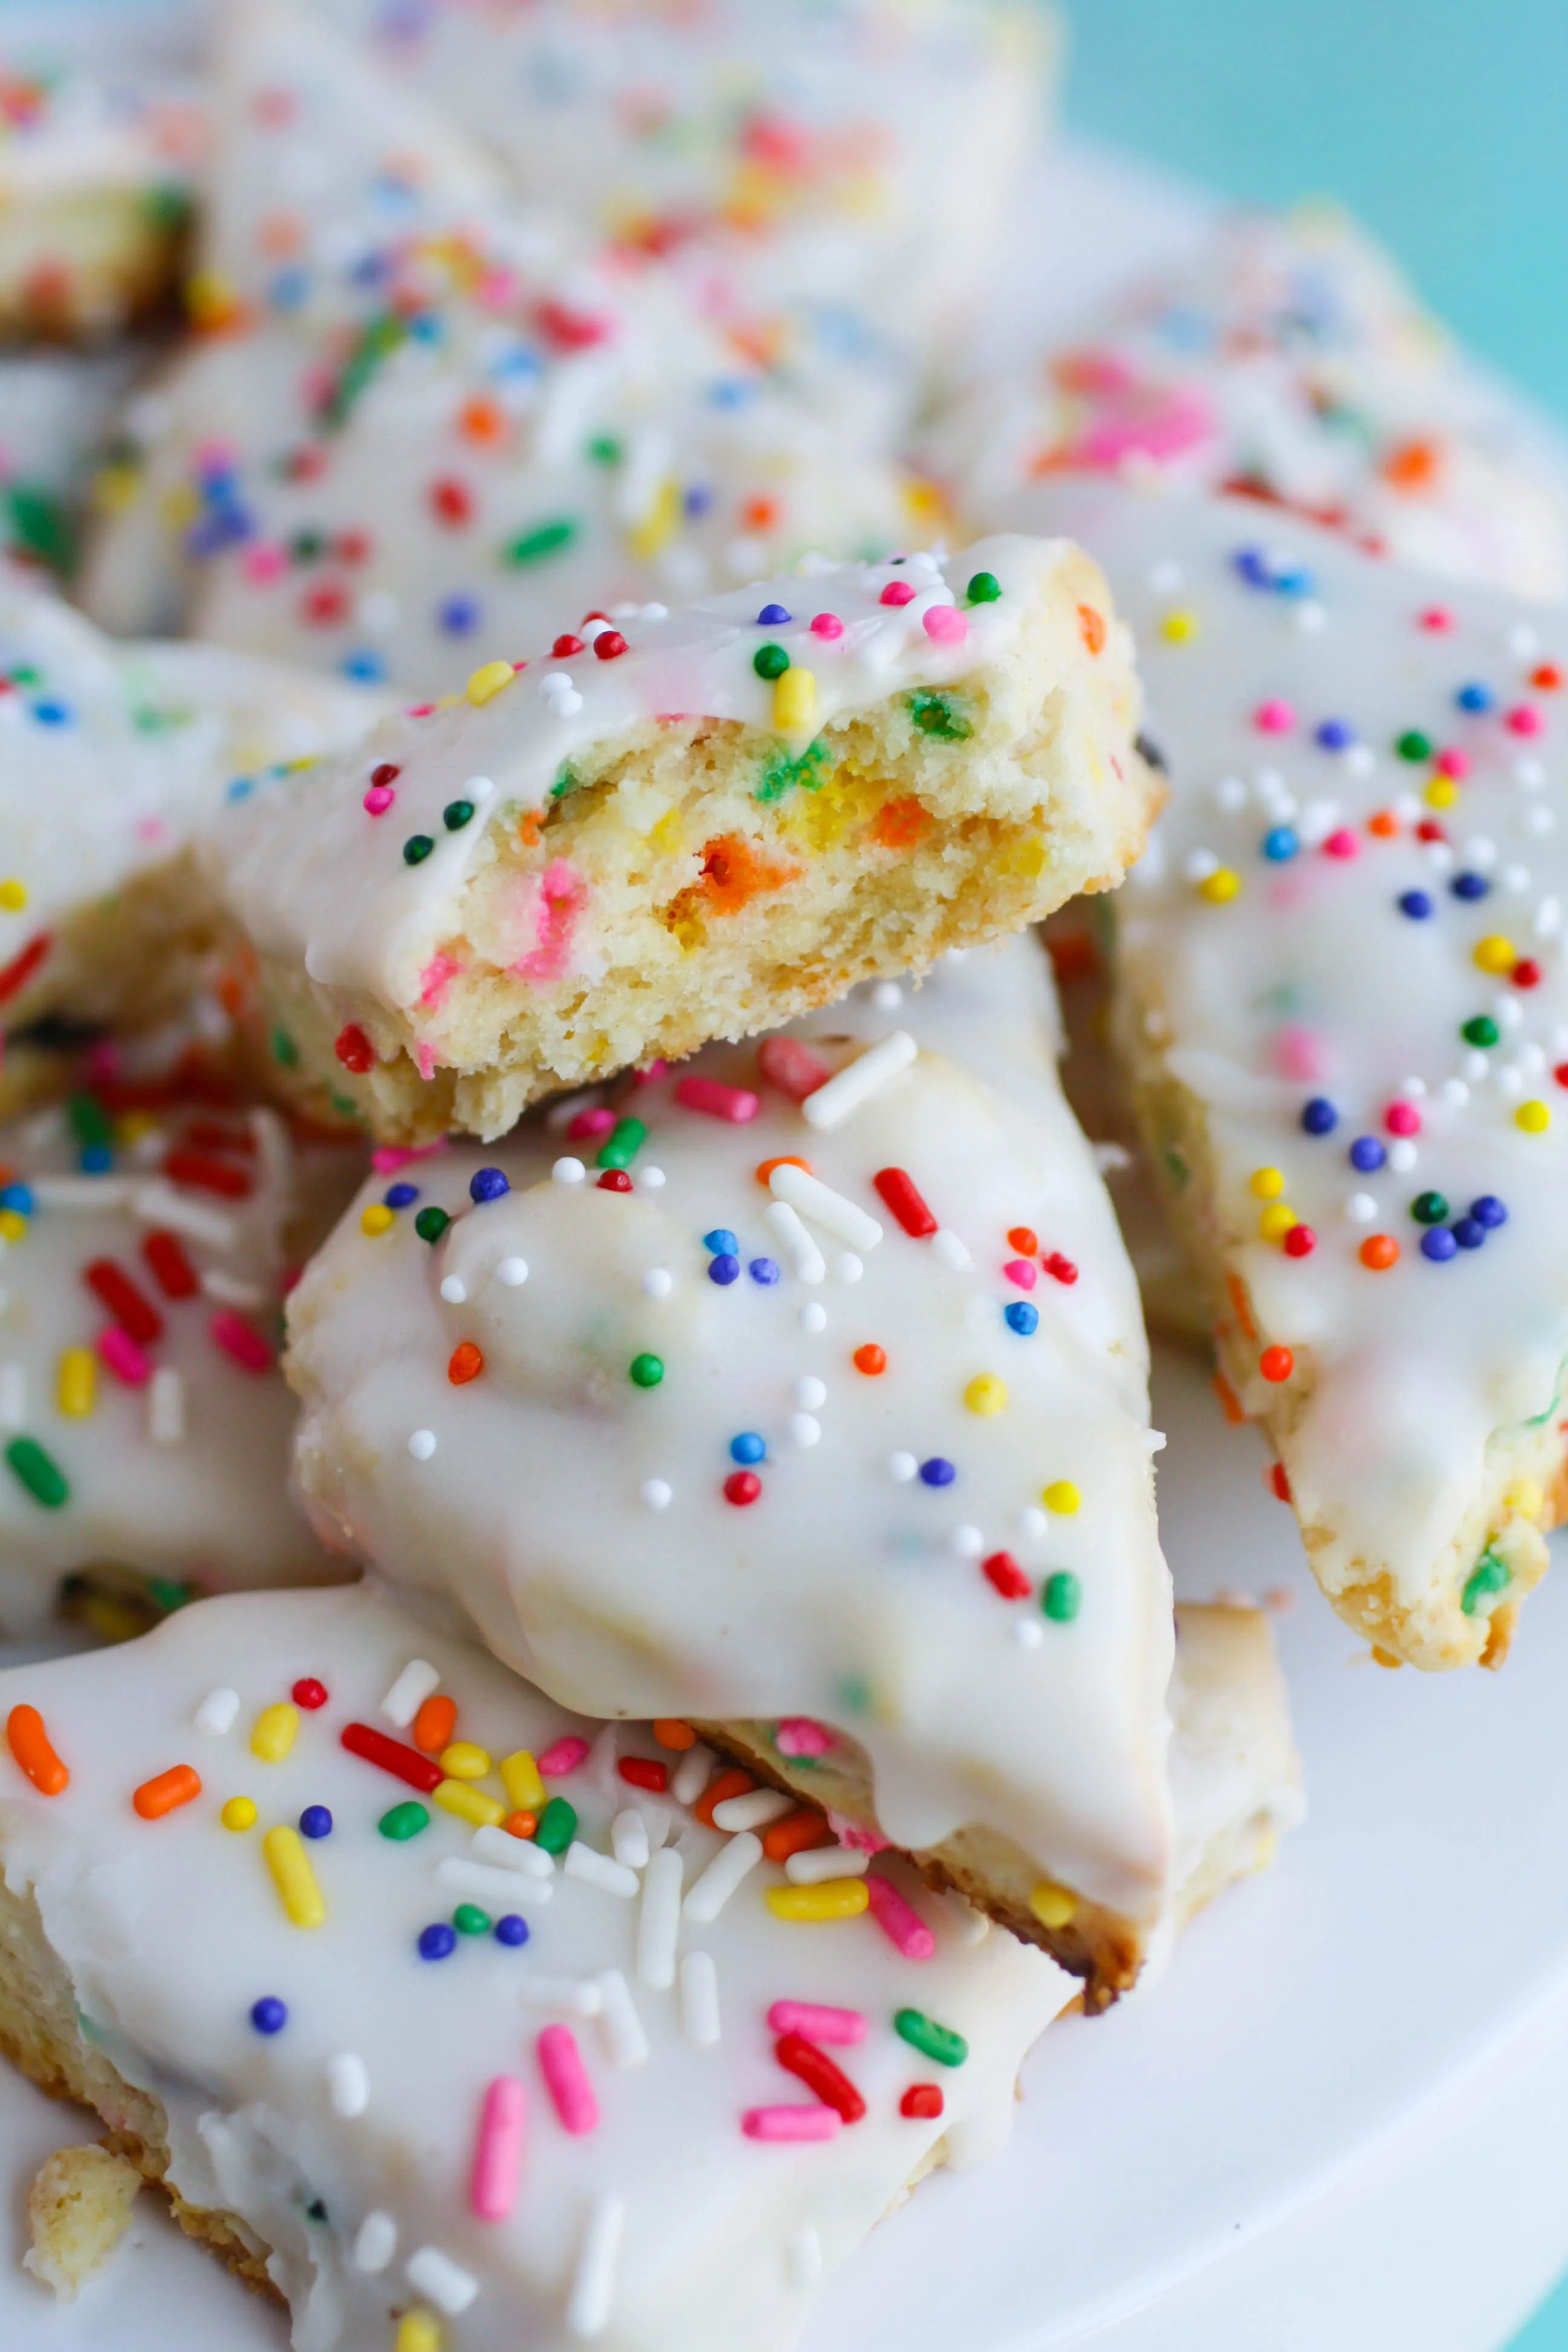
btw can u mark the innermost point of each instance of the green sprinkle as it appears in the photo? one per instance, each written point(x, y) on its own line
point(167, 204)
point(1061, 1597)
point(403, 1821)
point(456, 814)
point(855, 1693)
point(534, 546)
point(1412, 744)
point(646, 1372)
point(557, 1827)
point(621, 1147)
point(39, 525)
point(931, 2040)
point(984, 588)
point(39, 1472)
point(565, 781)
point(316, 2210)
point(1489, 1575)
point(306, 545)
point(1480, 1031)
point(431, 1224)
point(780, 772)
point(167, 1593)
point(469, 1920)
point(89, 1122)
point(940, 715)
point(1430, 1208)
point(285, 1052)
point(770, 661)
point(417, 848)
point(605, 449)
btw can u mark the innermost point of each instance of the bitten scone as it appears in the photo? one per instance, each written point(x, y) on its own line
point(799, 1391)
point(688, 826)
point(494, 2026)
point(1344, 1015)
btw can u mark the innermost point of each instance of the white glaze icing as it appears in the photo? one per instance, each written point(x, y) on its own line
point(367, 2101)
point(57, 409)
point(582, 1521)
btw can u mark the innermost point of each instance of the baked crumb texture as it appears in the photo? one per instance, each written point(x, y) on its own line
point(78, 2208)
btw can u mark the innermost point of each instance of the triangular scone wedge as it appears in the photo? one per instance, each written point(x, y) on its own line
point(689, 826)
point(433, 2075)
point(1342, 1010)
point(822, 1421)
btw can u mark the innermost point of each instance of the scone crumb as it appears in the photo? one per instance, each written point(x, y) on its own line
point(78, 2211)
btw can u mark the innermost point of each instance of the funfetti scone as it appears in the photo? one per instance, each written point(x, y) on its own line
point(146, 1242)
point(56, 417)
point(455, 2019)
point(1344, 1015)
point(1289, 360)
point(800, 1391)
point(684, 826)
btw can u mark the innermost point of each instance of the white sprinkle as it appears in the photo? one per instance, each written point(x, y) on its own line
point(593, 2287)
point(970, 1926)
point(753, 1811)
point(1530, 1059)
point(1516, 878)
point(902, 1466)
point(1412, 1089)
point(843, 1219)
point(803, 2257)
point(158, 1203)
point(1199, 863)
point(952, 1253)
point(810, 1393)
point(886, 996)
point(658, 1282)
point(81, 1191)
point(466, 1877)
point(442, 2281)
point(568, 1172)
point(656, 612)
point(803, 1429)
point(1455, 1092)
point(1440, 857)
point(230, 1291)
point(848, 1267)
point(700, 1999)
point(598, 1870)
point(348, 2085)
point(410, 1691)
point(731, 1863)
point(818, 1862)
point(13, 1396)
point(578, 1996)
point(512, 1272)
point(1522, 641)
point(598, 1767)
point(656, 1819)
point(657, 1494)
point(620, 2027)
point(1028, 1632)
point(1165, 577)
point(651, 1180)
point(554, 680)
point(797, 1245)
point(1481, 851)
point(563, 1111)
point(1362, 761)
point(628, 1839)
point(453, 1290)
point(1509, 1009)
point(1403, 1156)
point(166, 1406)
point(520, 1856)
point(1311, 618)
point(1529, 775)
point(566, 703)
point(1361, 1209)
point(855, 1083)
point(1476, 1068)
point(1509, 1080)
point(814, 1316)
point(217, 1712)
point(1230, 794)
point(658, 1921)
point(1032, 1520)
point(480, 789)
point(1539, 819)
point(1548, 918)
point(375, 2241)
point(968, 1543)
point(691, 1775)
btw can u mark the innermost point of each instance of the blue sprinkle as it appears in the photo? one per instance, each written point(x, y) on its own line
point(1469, 1231)
point(269, 2015)
point(510, 1928)
point(1252, 565)
point(458, 615)
point(97, 1158)
point(763, 1270)
point(437, 1942)
point(1488, 1210)
point(1281, 843)
point(1438, 1243)
point(1367, 1154)
point(1020, 1316)
point(488, 1184)
point(1417, 905)
point(365, 668)
point(772, 617)
point(1475, 698)
point(748, 1447)
point(724, 1269)
point(18, 1197)
point(51, 714)
point(1336, 735)
point(937, 1472)
point(1293, 580)
point(721, 1241)
point(401, 1196)
point(1318, 1116)
point(698, 499)
point(289, 289)
point(1469, 886)
point(315, 1822)
point(240, 789)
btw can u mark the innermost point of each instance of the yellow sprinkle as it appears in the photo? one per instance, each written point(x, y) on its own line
point(1441, 793)
point(418, 2331)
point(131, 1126)
point(520, 1778)
point(1179, 626)
point(275, 1731)
point(13, 895)
point(1267, 1183)
point(464, 1761)
point(794, 701)
point(78, 1383)
point(209, 297)
point(488, 680)
point(1053, 1906)
point(1062, 1495)
point(1495, 954)
point(13, 1225)
point(240, 1813)
point(985, 1395)
point(1276, 1222)
point(835, 1898)
point(1527, 1496)
point(1533, 1117)
point(1221, 885)
point(468, 1804)
point(660, 525)
point(111, 1618)
point(377, 1219)
point(115, 488)
point(181, 505)
point(293, 1876)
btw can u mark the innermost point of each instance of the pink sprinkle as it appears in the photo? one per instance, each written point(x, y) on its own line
point(946, 625)
point(645, 1077)
point(1453, 763)
point(387, 1157)
point(1525, 720)
point(1274, 718)
point(566, 2079)
point(597, 1120)
point(791, 1067)
point(736, 1103)
point(230, 1332)
point(1437, 617)
point(564, 1757)
point(859, 1839)
point(1344, 842)
point(898, 592)
point(843, 2028)
point(828, 625)
point(436, 978)
point(798, 1735)
point(1402, 1119)
point(379, 799)
point(425, 1060)
point(902, 1926)
point(1019, 1270)
point(792, 2123)
point(1144, 424)
point(498, 2156)
point(420, 710)
point(264, 563)
point(1297, 1053)
point(562, 895)
point(123, 1357)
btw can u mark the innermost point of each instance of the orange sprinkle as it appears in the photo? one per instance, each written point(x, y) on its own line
point(521, 1825)
point(1023, 1239)
point(159, 1795)
point(1379, 1252)
point(434, 1723)
point(1413, 466)
point(1276, 1364)
point(465, 1364)
point(482, 420)
point(1073, 953)
point(785, 1160)
point(671, 1734)
point(794, 1833)
point(734, 873)
point(870, 1360)
point(733, 1783)
point(900, 825)
point(1548, 677)
point(530, 828)
point(1384, 824)
point(1235, 1290)
point(759, 514)
point(1091, 628)
point(29, 1744)
point(1230, 1404)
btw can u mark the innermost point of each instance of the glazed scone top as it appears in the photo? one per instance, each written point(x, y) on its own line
point(359, 869)
point(862, 1451)
point(1346, 940)
point(532, 2085)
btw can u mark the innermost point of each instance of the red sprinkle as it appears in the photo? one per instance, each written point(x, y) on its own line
point(816, 2070)
point(1526, 973)
point(614, 1180)
point(644, 1772)
point(1003, 1571)
point(903, 1202)
point(609, 645)
point(403, 1763)
point(1276, 1364)
point(308, 1693)
point(1300, 1241)
point(354, 1049)
point(743, 1487)
point(1279, 1483)
point(465, 1363)
point(564, 647)
point(921, 2101)
point(387, 772)
point(172, 1269)
point(237, 1338)
point(1060, 1268)
point(206, 1175)
point(736, 1103)
point(15, 976)
point(131, 1308)
point(791, 1067)
point(452, 502)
